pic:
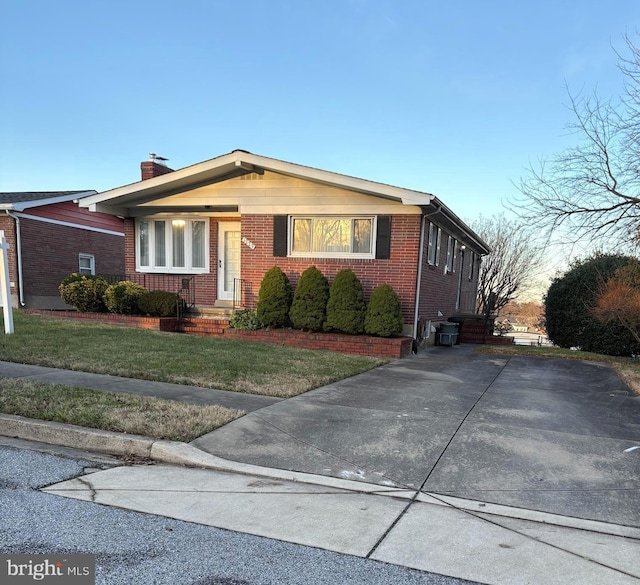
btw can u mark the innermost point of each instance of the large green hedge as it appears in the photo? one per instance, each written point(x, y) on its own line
point(84, 292)
point(346, 307)
point(384, 313)
point(274, 299)
point(569, 303)
point(309, 307)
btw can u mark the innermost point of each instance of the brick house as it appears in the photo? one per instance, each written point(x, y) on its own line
point(224, 222)
point(50, 237)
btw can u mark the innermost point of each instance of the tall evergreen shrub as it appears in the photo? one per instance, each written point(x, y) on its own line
point(384, 313)
point(569, 306)
point(309, 307)
point(274, 298)
point(346, 307)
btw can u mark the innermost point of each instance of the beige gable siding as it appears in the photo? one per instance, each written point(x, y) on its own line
point(273, 193)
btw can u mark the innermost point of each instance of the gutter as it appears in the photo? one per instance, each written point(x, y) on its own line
point(19, 256)
point(423, 221)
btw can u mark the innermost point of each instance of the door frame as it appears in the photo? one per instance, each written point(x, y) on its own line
point(223, 227)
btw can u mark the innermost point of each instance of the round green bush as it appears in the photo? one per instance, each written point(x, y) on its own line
point(569, 304)
point(274, 299)
point(346, 307)
point(122, 297)
point(160, 303)
point(245, 320)
point(84, 292)
point(384, 313)
point(309, 307)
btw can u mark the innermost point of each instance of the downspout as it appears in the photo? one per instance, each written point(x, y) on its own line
point(419, 281)
point(19, 257)
point(462, 251)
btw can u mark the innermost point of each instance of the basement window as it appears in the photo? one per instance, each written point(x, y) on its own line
point(86, 264)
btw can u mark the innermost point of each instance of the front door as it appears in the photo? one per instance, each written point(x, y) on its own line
point(228, 258)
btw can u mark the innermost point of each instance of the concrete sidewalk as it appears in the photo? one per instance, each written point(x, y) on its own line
point(360, 425)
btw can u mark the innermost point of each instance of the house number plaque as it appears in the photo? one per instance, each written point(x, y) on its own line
point(249, 243)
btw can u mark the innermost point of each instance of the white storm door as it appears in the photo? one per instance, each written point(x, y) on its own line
point(228, 258)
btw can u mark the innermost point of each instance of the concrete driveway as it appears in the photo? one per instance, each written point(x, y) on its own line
point(534, 433)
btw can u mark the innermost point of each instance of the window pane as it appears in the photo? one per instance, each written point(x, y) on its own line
point(361, 236)
point(160, 244)
point(85, 264)
point(197, 244)
point(143, 241)
point(177, 229)
point(332, 235)
point(301, 235)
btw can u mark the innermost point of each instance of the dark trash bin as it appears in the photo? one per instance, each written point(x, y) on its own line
point(448, 333)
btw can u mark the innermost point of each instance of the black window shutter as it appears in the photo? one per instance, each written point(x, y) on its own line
point(383, 239)
point(280, 235)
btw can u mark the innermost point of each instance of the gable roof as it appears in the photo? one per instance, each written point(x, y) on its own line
point(241, 162)
point(21, 200)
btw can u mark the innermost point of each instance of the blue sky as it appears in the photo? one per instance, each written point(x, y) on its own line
point(450, 98)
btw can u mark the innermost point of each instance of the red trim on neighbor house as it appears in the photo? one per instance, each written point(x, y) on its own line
point(69, 212)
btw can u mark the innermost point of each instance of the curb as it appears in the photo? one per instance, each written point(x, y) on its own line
point(171, 452)
point(177, 453)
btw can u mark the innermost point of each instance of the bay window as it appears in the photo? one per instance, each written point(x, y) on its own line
point(172, 245)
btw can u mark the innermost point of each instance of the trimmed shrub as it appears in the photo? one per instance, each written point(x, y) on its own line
point(122, 297)
point(309, 307)
point(84, 292)
point(384, 313)
point(346, 307)
point(274, 299)
point(160, 303)
point(245, 320)
point(569, 304)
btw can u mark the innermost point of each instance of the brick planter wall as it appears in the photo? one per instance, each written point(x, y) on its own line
point(394, 347)
point(155, 323)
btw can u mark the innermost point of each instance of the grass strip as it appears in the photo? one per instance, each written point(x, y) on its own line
point(109, 411)
point(209, 362)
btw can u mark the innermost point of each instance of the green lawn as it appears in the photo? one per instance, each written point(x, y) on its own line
point(255, 368)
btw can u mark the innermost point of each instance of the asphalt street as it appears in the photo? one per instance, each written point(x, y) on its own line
point(131, 547)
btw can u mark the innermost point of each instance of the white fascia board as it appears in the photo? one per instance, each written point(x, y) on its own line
point(22, 205)
point(406, 196)
point(226, 163)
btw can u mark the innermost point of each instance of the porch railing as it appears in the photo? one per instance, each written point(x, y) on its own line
point(184, 286)
point(238, 293)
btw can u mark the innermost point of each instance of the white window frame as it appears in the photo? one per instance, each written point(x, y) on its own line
point(347, 255)
point(92, 263)
point(452, 253)
point(433, 246)
point(472, 261)
point(188, 251)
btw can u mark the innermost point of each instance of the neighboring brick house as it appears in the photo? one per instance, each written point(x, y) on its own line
point(50, 237)
point(227, 220)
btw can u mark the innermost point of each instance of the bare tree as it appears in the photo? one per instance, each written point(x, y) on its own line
point(592, 190)
point(514, 264)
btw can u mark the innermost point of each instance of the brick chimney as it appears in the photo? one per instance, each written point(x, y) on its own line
point(154, 167)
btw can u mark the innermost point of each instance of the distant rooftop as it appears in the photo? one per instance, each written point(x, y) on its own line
point(25, 196)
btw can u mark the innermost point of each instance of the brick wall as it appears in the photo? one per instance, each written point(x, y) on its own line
point(399, 271)
point(50, 253)
point(8, 225)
